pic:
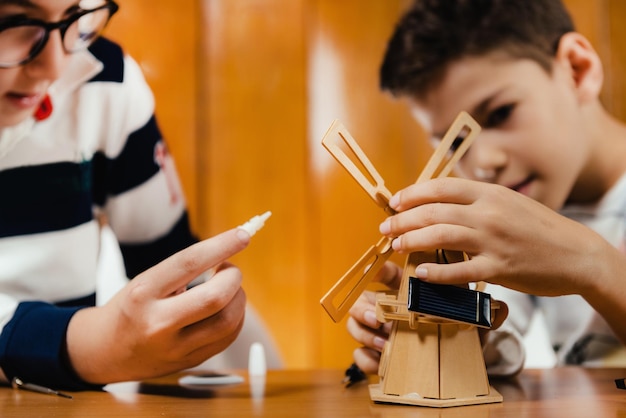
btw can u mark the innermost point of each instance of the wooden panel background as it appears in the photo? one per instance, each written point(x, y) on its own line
point(246, 89)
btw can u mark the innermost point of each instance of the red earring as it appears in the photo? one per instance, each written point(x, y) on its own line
point(44, 110)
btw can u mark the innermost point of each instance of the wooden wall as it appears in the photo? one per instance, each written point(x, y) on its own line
point(245, 91)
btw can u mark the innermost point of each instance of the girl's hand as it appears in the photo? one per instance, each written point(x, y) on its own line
point(151, 328)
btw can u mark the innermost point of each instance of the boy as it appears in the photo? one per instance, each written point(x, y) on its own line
point(547, 145)
point(77, 131)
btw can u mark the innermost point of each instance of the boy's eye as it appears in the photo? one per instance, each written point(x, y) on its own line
point(457, 143)
point(500, 115)
point(459, 139)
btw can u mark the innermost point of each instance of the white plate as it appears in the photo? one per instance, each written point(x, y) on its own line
point(210, 379)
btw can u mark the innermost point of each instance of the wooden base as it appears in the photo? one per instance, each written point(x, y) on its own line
point(378, 396)
point(428, 363)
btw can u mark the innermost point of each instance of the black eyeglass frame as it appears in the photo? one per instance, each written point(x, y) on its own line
point(48, 27)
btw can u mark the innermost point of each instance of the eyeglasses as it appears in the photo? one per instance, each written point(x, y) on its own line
point(21, 39)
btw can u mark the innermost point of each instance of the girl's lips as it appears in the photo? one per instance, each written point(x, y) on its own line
point(24, 101)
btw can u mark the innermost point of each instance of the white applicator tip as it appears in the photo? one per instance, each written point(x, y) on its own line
point(255, 223)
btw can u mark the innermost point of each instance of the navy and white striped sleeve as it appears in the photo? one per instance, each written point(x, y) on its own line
point(136, 180)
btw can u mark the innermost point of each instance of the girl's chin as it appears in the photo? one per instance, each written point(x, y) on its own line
point(6, 120)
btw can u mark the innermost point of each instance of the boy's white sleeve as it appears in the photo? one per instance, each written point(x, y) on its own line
point(503, 348)
point(504, 352)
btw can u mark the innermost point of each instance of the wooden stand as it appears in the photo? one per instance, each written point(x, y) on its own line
point(437, 372)
point(428, 362)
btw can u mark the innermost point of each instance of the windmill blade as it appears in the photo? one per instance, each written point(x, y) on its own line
point(359, 166)
point(338, 300)
point(454, 144)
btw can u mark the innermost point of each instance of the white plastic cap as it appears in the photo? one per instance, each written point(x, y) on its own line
point(256, 360)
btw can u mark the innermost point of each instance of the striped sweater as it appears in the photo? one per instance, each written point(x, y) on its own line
point(100, 150)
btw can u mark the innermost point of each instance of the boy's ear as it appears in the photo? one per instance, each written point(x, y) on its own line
point(576, 55)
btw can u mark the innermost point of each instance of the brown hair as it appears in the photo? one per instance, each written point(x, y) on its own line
point(433, 33)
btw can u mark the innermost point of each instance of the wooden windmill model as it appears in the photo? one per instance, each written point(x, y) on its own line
point(432, 358)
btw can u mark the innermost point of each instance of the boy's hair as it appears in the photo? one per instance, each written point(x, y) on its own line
point(434, 33)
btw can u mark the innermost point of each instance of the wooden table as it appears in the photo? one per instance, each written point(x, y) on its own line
point(565, 392)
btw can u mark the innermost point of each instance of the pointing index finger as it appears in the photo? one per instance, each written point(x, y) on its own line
point(178, 270)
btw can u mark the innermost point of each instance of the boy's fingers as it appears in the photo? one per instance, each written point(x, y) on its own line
point(367, 359)
point(181, 268)
point(455, 273)
point(500, 315)
point(390, 274)
point(364, 310)
point(369, 337)
point(443, 190)
point(431, 238)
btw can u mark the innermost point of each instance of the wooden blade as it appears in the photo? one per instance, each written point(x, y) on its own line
point(454, 144)
point(358, 165)
point(337, 301)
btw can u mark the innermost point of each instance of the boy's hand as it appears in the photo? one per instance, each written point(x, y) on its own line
point(511, 239)
point(363, 325)
point(151, 327)
point(365, 328)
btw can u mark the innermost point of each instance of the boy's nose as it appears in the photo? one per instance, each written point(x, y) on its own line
point(50, 62)
point(484, 160)
point(485, 174)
